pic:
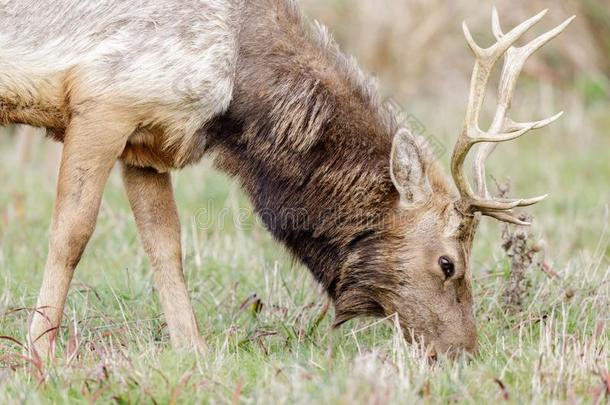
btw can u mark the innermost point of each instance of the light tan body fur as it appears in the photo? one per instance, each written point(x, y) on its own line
point(170, 75)
point(115, 80)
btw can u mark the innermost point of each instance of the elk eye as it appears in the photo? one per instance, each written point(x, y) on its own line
point(447, 266)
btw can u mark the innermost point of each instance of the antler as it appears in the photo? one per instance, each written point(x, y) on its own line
point(503, 128)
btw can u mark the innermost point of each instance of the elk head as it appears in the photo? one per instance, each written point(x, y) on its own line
point(434, 229)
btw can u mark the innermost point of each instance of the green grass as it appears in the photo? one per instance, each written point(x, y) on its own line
point(115, 347)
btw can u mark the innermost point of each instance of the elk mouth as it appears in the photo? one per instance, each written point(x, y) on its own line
point(452, 352)
point(436, 348)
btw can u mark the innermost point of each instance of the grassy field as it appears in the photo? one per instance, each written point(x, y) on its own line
point(114, 346)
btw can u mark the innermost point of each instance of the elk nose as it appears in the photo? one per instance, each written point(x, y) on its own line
point(455, 352)
point(468, 351)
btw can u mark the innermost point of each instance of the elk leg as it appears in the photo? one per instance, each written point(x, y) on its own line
point(151, 197)
point(90, 150)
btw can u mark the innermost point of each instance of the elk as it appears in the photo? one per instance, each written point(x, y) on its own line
point(157, 85)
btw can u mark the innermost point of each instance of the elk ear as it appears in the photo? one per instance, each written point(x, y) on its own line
point(408, 169)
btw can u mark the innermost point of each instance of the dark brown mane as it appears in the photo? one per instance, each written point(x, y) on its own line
point(310, 146)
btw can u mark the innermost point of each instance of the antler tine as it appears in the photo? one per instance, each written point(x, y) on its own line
point(495, 24)
point(491, 205)
point(516, 126)
point(508, 217)
point(503, 128)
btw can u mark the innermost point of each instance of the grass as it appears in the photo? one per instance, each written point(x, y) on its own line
point(115, 348)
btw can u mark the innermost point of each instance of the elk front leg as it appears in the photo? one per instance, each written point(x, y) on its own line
point(151, 197)
point(90, 151)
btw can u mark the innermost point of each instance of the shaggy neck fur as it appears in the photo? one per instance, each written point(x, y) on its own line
point(309, 141)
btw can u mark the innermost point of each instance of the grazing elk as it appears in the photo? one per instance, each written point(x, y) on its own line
point(157, 84)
